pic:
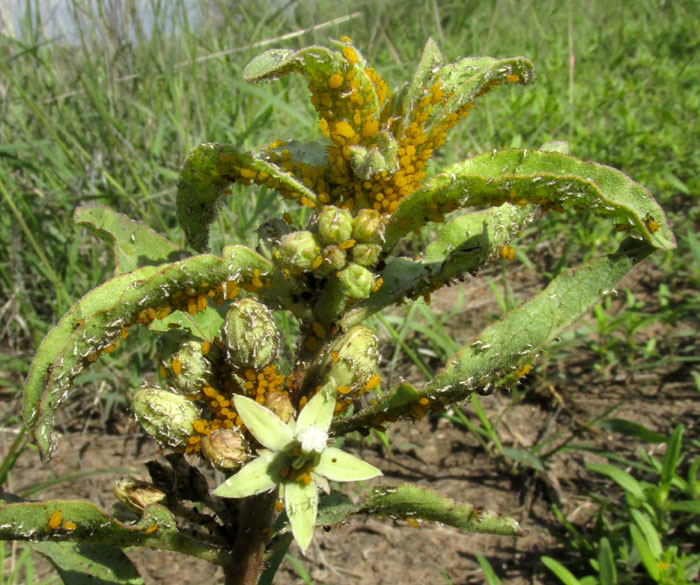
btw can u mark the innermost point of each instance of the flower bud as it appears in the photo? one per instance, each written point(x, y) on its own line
point(334, 259)
point(335, 225)
point(298, 250)
point(166, 416)
point(354, 359)
point(368, 227)
point(191, 371)
point(225, 449)
point(356, 281)
point(280, 404)
point(137, 495)
point(366, 254)
point(250, 335)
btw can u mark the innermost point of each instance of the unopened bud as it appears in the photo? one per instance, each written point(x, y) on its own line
point(192, 372)
point(298, 250)
point(225, 449)
point(137, 495)
point(335, 225)
point(368, 227)
point(250, 335)
point(366, 254)
point(354, 359)
point(334, 259)
point(280, 404)
point(356, 281)
point(166, 416)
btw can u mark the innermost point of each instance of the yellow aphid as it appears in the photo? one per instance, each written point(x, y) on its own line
point(651, 223)
point(334, 356)
point(318, 329)
point(507, 253)
point(68, 525)
point(248, 173)
point(307, 202)
point(512, 78)
point(345, 39)
point(343, 389)
point(317, 262)
point(373, 382)
point(177, 366)
point(206, 346)
point(335, 81)
point(412, 522)
point(55, 520)
point(350, 54)
point(287, 218)
point(163, 372)
point(323, 124)
point(347, 244)
point(370, 128)
point(423, 401)
point(151, 529)
point(524, 370)
point(344, 129)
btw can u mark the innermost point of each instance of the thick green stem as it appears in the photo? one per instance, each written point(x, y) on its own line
point(254, 524)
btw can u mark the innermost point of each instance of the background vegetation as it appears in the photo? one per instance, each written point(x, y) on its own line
point(101, 106)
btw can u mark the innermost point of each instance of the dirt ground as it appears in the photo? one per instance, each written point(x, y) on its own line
point(563, 397)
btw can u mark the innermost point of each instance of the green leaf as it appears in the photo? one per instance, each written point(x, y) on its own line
point(460, 246)
point(620, 477)
point(89, 564)
point(606, 563)
point(489, 573)
point(134, 244)
point(157, 529)
point(208, 172)
point(97, 321)
point(685, 506)
point(565, 576)
point(338, 465)
point(301, 505)
point(650, 561)
point(263, 424)
point(408, 501)
point(632, 429)
point(497, 354)
point(260, 475)
point(549, 179)
point(472, 77)
point(651, 536)
point(672, 456)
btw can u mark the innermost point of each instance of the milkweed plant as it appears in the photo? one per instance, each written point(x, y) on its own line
point(225, 397)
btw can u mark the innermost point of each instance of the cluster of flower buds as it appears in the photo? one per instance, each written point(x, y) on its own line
point(345, 246)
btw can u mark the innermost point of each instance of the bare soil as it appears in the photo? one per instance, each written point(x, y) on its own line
point(562, 398)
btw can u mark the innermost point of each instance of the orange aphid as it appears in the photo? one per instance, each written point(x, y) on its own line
point(55, 520)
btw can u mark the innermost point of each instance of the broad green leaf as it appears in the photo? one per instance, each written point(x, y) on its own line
point(98, 322)
point(651, 536)
point(425, 73)
point(462, 245)
point(263, 424)
point(83, 522)
point(89, 564)
point(606, 563)
point(564, 575)
point(685, 506)
point(205, 325)
point(319, 65)
point(620, 477)
point(549, 179)
point(467, 79)
point(497, 355)
point(134, 244)
point(650, 561)
point(206, 176)
point(408, 501)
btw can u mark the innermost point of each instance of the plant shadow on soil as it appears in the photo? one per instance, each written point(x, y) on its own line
point(559, 397)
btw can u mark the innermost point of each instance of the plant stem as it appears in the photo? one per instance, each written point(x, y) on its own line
point(254, 523)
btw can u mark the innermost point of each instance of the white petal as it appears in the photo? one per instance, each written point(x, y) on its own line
point(301, 504)
point(260, 475)
point(263, 424)
point(338, 465)
point(319, 410)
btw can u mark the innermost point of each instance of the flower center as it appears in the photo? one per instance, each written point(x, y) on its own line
point(312, 439)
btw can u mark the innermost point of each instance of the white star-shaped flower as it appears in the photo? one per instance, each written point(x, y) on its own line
point(297, 457)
